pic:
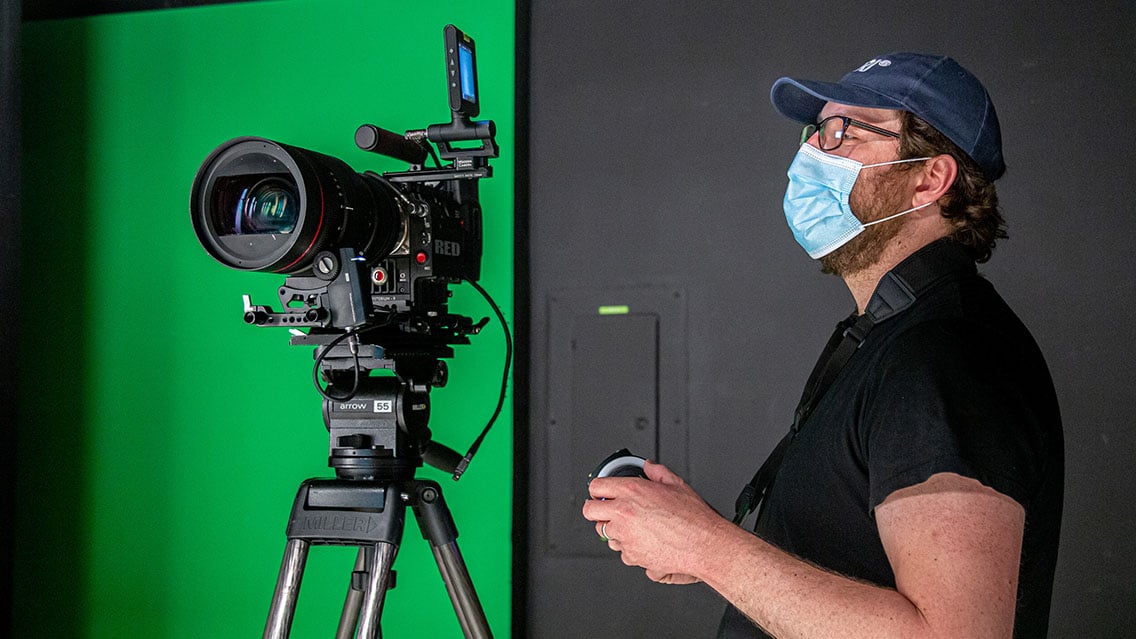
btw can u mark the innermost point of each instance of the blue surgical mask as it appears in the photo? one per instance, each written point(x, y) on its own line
point(816, 200)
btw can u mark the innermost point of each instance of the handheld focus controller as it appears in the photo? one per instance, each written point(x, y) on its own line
point(621, 463)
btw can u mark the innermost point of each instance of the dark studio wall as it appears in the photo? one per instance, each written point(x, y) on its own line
point(9, 257)
point(656, 172)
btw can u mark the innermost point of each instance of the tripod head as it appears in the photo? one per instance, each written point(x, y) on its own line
point(378, 425)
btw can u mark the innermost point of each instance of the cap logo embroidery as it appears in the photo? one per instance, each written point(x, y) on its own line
point(873, 62)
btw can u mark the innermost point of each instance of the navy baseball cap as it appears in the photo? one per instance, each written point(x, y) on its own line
point(933, 87)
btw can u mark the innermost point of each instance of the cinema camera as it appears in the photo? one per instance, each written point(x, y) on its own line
point(369, 259)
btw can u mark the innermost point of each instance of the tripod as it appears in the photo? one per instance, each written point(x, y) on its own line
point(370, 515)
point(377, 432)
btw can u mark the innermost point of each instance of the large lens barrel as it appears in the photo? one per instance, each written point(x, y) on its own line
point(258, 205)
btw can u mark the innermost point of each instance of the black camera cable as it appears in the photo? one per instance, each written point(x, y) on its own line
point(354, 346)
point(464, 463)
point(353, 335)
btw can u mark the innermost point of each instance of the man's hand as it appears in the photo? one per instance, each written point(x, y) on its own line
point(659, 524)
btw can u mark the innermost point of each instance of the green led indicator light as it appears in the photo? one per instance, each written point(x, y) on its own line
point(615, 310)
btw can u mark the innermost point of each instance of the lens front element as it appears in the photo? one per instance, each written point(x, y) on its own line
point(269, 206)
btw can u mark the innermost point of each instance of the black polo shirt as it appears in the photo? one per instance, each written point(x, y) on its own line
point(955, 383)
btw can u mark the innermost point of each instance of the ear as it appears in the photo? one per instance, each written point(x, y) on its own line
point(936, 178)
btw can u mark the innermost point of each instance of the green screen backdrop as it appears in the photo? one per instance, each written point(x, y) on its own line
point(161, 440)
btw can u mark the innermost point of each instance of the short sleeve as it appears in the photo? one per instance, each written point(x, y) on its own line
point(948, 399)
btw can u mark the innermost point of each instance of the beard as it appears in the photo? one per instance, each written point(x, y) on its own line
point(870, 201)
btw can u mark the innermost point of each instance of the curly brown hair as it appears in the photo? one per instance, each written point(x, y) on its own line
point(971, 204)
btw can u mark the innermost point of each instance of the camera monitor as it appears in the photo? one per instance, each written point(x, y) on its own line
point(461, 71)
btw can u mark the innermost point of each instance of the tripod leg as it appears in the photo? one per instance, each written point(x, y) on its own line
point(349, 618)
point(460, 586)
point(380, 558)
point(437, 525)
point(287, 590)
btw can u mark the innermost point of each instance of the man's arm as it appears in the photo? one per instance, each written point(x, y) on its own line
point(954, 546)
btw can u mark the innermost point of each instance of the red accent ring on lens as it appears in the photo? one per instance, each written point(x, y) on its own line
point(315, 236)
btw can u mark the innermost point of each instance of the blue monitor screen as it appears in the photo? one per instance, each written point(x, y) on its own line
point(468, 87)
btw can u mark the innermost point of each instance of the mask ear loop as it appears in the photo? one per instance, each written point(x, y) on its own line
point(912, 210)
point(892, 217)
point(868, 166)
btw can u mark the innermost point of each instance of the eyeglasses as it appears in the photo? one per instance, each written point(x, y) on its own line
point(833, 129)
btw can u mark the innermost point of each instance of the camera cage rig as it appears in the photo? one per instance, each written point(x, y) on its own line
point(377, 424)
point(330, 298)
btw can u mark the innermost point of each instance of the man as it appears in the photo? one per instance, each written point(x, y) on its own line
point(919, 492)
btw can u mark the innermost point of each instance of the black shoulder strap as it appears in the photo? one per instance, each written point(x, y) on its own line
point(897, 291)
point(847, 337)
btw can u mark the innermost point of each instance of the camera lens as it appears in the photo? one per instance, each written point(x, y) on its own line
point(259, 205)
point(270, 206)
